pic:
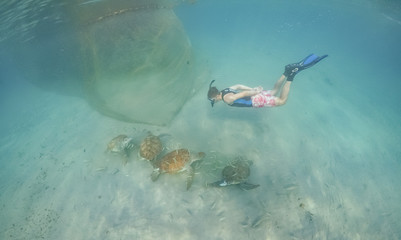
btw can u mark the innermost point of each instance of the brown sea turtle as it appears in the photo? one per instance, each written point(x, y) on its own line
point(178, 161)
point(150, 147)
point(122, 144)
point(236, 174)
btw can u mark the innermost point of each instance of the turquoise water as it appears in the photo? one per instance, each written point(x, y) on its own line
point(327, 162)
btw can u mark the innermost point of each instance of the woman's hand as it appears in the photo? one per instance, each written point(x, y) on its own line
point(258, 89)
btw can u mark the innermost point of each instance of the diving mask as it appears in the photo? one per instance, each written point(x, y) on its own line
point(212, 101)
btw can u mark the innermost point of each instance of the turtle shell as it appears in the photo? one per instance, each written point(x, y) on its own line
point(150, 147)
point(175, 161)
point(236, 172)
point(120, 144)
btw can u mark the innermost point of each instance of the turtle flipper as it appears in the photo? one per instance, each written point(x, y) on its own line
point(125, 159)
point(125, 155)
point(155, 174)
point(248, 186)
point(190, 177)
point(221, 183)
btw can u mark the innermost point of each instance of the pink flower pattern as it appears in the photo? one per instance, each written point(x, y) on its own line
point(263, 99)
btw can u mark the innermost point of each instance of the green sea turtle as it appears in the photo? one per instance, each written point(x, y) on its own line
point(236, 174)
point(150, 147)
point(122, 144)
point(177, 161)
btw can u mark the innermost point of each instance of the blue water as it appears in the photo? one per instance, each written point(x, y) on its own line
point(327, 162)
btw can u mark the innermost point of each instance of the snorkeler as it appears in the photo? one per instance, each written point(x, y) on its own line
point(243, 96)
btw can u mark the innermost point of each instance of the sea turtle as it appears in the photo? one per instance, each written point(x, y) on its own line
point(122, 144)
point(150, 147)
point(178, 161)
point(236, 173)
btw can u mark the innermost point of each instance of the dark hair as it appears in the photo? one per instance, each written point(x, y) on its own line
point(213, 92)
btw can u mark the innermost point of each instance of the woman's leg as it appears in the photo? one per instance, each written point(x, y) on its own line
point(278, 85)
point(284, 94)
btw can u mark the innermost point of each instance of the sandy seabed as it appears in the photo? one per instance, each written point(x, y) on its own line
point(326, 171)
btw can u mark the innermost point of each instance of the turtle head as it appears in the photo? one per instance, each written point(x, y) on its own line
point(155, 174)
point(201, 155)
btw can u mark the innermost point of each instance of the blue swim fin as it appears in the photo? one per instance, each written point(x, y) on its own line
point(292, 69)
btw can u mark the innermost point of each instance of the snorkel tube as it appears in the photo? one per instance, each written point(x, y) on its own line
point(210, 86)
